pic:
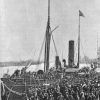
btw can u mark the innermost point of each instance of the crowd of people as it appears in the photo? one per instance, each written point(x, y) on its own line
point(67, 93)
point(58, 86)
point(73, 88)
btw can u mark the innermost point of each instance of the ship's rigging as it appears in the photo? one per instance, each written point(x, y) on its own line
point(47, 39)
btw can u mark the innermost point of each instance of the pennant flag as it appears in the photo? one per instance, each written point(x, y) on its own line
point(81, 14)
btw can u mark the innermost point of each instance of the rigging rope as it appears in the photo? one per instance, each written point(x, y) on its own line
point(44, 42)
point(41, 50)
point(9, 94)
point(54, 46)
point(53, 39)
point(20, 94)
point(28, 19)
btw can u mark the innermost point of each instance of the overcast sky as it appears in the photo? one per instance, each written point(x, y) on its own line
point(23, 26)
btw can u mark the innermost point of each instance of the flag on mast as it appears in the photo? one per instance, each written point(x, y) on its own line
point(81, 14)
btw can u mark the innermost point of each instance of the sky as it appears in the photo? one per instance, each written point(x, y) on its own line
point(23, 26)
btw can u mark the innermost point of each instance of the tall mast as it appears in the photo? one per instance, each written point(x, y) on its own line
point(49, 11)
point(97, 49)
point(47, 41)
point(79, 44)
point(97, 45)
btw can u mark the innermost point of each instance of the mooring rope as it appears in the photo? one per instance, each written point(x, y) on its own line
point(20, 94)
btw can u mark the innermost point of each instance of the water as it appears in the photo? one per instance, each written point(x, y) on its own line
point(10, 70)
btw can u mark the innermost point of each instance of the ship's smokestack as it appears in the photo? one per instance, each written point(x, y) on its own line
point(57, 62)
point(71, 54)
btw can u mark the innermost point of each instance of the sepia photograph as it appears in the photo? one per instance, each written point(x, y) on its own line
point(49, 49)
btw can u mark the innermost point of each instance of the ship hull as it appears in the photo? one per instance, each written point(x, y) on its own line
point(15, 90)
